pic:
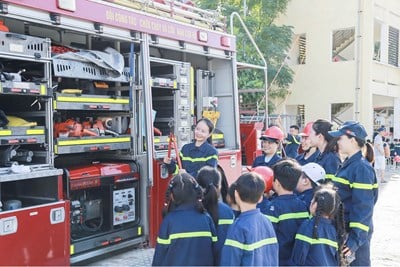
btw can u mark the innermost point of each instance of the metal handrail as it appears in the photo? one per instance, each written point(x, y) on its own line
point(253, 66)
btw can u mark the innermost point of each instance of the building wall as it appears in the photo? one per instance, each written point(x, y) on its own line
point(319, 82)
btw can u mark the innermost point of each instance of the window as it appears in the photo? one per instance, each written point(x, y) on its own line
point(393, 46)
point(377, 41)
point(343, 45)
point(298, 52)
point(302, 49)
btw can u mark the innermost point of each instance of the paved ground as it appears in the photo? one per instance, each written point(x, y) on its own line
point(386, 237)
point(384, 249)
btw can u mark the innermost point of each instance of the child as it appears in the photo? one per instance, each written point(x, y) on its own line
point(251, 240)
point(187, 234)
point(286, 211)
point(230, 199)
point(210, 180)
point(317, 241)
point(313, 174)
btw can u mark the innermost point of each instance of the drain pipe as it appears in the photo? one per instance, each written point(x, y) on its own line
point(358, 49)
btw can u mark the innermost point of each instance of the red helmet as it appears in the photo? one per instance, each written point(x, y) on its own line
point(267, 174)
point(273, 132)
point(307, 129)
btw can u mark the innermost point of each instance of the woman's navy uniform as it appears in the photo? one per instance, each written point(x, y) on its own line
point(330, 161)
point(358, 189)
point(194, 158)
point(260, 161)
point(303, 161)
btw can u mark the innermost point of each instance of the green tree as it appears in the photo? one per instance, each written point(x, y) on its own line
point(274, 42)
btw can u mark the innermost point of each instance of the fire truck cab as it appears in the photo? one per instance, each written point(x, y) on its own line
point(90, 93)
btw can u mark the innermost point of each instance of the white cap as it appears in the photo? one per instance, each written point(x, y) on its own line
point(314, 171)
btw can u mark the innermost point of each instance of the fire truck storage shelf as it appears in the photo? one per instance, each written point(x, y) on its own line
point(25, 102)
point(83, 70)
point(91, 144)
point(22, 135)
point(44, 171)
point(28, 47)
point(90, 102)
point(24, 88)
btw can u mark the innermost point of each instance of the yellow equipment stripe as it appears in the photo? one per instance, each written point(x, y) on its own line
point(81, 99)
point(319, 241)
point(35, 131)
point(217, 136)
point(253, 246)
point(93, 141)
point(5, 132)
point(43, 90)
point(185, 235)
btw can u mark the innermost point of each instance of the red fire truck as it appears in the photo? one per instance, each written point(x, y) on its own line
point(90, 93)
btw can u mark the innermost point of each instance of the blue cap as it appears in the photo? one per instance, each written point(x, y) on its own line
point(381, 129)
point(352, 128)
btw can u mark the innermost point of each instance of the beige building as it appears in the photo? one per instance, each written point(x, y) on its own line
point(345, 56)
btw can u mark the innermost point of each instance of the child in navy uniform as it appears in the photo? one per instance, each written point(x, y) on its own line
point(286, 211)
point(251, 240)
point(187, 233)
point(210, 180)
point(317, 242)
point(313, 174)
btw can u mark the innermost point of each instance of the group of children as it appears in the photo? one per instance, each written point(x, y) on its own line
point(199, 229)
point(304, 222)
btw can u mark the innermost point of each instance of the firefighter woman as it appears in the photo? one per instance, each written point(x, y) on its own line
point(197, 154)
point(271, 142)
point(310, 153)
point(326, 144)
point(358, 188)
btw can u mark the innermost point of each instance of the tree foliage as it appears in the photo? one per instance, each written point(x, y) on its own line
point(273, 41)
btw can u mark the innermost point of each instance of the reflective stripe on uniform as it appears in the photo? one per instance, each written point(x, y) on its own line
point(225, 221)
point(288, 216)
point(185, 235)
point(354, 185)
point(359, 226)
point(253, 246)
point(198, 159)
point(329, 176)
point(319, 241)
